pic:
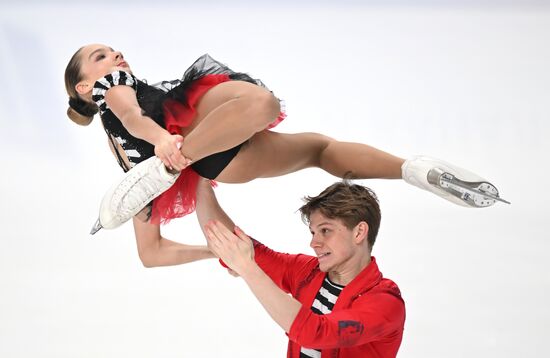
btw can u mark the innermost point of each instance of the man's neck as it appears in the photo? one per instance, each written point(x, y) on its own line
point(345, 276)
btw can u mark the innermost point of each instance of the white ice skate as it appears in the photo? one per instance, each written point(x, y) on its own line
point(138, 187)
point(450, 182)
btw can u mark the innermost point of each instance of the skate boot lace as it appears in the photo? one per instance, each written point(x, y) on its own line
point(135, 194)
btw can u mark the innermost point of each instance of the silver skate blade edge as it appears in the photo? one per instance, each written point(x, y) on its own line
point(97, 226)
point(477, 192)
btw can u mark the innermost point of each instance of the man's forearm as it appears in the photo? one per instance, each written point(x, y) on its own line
point(282, 307)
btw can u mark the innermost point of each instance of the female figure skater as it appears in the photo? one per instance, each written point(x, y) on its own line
point(213, 124)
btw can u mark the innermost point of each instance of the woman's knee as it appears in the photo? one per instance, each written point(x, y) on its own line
point(262, 106)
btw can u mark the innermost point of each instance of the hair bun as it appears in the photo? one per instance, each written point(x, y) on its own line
point(80, 111)
point(78, 118)
point(82, 107)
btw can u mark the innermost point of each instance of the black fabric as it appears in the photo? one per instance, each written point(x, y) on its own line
point(118, 155)
point(210, 167)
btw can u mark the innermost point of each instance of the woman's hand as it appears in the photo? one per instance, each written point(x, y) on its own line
point(168, 150)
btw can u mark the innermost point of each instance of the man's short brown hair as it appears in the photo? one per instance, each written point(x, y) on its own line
point(351, 203)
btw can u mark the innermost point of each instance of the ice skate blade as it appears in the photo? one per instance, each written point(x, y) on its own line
point(476, 194)
point(97, 226)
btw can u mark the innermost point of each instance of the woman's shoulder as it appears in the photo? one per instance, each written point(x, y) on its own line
point(116, 78)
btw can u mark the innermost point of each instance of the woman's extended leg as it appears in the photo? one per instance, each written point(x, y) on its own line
point(269, 154)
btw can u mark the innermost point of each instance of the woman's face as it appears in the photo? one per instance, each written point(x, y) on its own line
point(97, 61)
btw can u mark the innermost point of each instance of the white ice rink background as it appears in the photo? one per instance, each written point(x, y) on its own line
point(467, 82)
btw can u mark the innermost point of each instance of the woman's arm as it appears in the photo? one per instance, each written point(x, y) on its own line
point(154, 250)
point(123, 102)
point(208, 207)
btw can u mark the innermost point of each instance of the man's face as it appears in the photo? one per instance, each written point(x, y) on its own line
point(333, 243)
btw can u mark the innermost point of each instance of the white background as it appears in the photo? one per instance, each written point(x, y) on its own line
point(463, 82)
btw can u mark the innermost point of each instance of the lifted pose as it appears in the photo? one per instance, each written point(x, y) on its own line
point(215, 123)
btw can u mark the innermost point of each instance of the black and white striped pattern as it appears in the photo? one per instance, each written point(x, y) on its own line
point(323, 304)
point(115, 78)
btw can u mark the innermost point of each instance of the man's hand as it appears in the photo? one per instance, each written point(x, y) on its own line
point(235, 249)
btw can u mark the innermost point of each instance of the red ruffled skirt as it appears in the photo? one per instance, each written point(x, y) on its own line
point(181, 199)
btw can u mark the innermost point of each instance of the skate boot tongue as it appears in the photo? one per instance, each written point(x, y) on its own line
point(477, 194)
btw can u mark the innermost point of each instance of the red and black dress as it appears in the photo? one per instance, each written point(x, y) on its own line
point(171, 104)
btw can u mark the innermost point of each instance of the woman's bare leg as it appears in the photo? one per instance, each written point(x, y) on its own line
point(270, 154)
point(364, 161)
point(227, 115)
point(233, 112)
